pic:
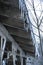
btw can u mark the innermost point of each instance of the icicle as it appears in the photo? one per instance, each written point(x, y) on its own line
point(38, 50)
point(19, 4)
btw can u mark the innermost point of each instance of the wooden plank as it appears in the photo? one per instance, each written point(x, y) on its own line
point(12, 22)
point(11, 2)
point(27, 50)
point(26, 47)
point(22, 40)
point(29, 53)
point(9, 11)
point(19, 32)
point(23, 43)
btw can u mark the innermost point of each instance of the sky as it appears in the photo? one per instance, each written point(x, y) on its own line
point(38, 8)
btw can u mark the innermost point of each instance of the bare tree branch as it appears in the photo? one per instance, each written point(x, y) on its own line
point(29, 3)
point(37, 23)
point(34, 11)
point(40, 16)
point(40, 21)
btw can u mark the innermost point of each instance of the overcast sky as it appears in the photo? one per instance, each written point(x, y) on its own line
point(38, 7)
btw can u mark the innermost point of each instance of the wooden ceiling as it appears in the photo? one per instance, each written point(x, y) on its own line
point(10, 18)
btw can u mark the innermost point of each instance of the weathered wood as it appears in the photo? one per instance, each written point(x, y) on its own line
point(11, 2)
point(26, 44)
point(18, 32)
point(8, 11)
point(8, 36)
point(10, 18)
point(27, 50)
point(22, 40)
point(12, 22)
point(26, 47)
point(22, 43)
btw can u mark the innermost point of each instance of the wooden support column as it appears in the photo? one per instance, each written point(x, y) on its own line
point(21, 60)
point(3, 44)
point(14, 59)
point(14, 53)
